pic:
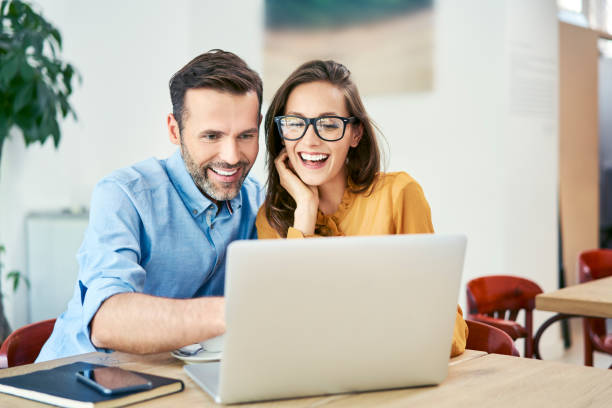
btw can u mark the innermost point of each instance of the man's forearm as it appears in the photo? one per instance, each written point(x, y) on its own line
point(138, 323)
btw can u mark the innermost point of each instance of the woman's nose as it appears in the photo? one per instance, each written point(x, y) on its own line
point(310, 137)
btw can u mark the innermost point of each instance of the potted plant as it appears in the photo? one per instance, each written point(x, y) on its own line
point(35, 84)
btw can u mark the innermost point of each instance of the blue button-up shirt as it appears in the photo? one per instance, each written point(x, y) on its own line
point(151, 231)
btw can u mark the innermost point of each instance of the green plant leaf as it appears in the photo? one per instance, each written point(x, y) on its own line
point(67, 73)
point(53, 71)
point(55, 132)
point(37, 42)
point(14, 9)
point(3, 7)
point(5, 124)
point(9, 69)
point(42, 94)
point(57, 36)
point(17, 277)
point(5, 45)
point(27, 72)
point(35, 84)
point(24, 96)
point(64, 106)
point(31, 133)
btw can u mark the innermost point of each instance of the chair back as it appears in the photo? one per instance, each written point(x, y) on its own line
point(487, 338)
point(595, 264)
point(497, 299)
point(23, 345)
point(497, 294)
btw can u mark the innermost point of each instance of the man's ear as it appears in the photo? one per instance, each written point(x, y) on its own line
point(356, 135)
point(173, 130)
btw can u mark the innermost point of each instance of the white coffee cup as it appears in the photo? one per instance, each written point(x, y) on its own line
point(214, 344)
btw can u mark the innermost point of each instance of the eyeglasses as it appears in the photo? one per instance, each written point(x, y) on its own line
point(328, 128)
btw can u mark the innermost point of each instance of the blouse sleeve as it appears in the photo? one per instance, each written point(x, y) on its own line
point(412, 214)
point(460, 334)
point(266, 231)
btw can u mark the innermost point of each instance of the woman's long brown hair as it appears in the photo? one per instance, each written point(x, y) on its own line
point(363, 161)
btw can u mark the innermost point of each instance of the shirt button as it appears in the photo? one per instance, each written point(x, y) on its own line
point(195, 212)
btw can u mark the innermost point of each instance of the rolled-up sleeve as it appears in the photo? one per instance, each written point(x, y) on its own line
point(110, 256)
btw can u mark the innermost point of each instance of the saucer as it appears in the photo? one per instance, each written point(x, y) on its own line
point(202, 357)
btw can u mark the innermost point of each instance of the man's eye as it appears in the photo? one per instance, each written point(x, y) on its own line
point(247, 136)
point(210, 136)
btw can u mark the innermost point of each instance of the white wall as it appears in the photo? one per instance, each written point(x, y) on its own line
point(488, 168)
point(484, 143)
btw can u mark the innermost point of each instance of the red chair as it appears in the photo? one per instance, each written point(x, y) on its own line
point(595, 264)
point(23, 345)
point(497, 299)
point(487, 338)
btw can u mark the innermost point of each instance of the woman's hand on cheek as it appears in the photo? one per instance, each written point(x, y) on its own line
point(306, 197)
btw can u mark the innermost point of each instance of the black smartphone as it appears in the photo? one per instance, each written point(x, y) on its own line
point(113, 380)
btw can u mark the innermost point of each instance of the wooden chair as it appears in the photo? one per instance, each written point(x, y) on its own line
point(487, 338)
point(497, 299)
point(595, 264)
point(23, 345)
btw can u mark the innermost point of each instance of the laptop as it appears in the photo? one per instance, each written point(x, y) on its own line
point(335, 315)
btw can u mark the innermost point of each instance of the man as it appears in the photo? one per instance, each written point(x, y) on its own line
point(152, 264)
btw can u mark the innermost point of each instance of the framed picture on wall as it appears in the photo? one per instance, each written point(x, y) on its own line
point(387, 44)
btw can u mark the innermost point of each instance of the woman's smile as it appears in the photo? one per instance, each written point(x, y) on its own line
point(313, 160)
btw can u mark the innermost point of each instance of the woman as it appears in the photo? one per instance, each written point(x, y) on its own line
point(323, 168)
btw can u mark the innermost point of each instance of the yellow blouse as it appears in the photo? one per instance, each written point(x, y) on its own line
point(395, 205)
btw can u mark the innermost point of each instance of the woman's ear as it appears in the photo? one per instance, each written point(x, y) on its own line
point(356, 135)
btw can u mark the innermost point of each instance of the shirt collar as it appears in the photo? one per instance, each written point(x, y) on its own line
point(193, 198)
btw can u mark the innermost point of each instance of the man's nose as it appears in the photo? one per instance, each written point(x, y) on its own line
point(230, 152)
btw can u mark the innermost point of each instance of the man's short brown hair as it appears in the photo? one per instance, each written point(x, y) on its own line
point(215, 69)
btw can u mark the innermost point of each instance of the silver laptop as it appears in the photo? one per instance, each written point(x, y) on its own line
point(335, 315)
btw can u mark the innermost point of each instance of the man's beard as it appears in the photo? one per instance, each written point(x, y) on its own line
point(220, 191)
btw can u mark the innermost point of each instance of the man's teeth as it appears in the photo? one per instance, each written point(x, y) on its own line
point(314, 157)
point(225, 172)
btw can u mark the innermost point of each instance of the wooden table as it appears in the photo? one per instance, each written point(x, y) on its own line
point(590, 299)
point(473, 379)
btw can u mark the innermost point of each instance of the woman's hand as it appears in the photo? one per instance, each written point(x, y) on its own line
point(306, 197)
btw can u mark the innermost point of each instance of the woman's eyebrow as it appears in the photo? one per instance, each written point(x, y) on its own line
point(319, 115)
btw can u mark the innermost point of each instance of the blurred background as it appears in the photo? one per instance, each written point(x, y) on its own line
point(502, 110)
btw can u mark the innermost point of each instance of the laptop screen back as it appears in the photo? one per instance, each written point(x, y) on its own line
point(333, 315)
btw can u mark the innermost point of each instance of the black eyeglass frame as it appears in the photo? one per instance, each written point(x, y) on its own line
point(313, 122)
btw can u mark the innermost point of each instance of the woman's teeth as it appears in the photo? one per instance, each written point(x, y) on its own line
point(313, 157)
point(224, 172)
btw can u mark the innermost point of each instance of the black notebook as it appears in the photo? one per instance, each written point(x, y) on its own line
point(59, 386)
